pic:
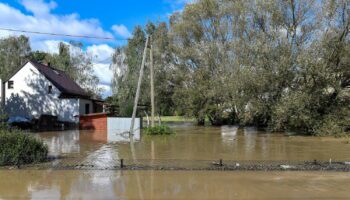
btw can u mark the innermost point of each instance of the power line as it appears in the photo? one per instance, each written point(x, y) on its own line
point(58, 34)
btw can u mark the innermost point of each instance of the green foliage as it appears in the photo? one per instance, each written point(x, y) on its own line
point(18, 148)
point(126, 67)
point(279, 64)
point(3, 124)
point(159, 130)
point(14, 52)
point(176, 119)
point(77, 64)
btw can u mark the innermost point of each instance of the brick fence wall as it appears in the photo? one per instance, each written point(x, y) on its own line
point(93, 122)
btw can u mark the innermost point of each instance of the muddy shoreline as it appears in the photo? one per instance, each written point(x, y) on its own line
point(237, 166)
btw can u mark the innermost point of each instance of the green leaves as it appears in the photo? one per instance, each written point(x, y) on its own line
point(159, 130)
point(279, 64)
point(18, 148)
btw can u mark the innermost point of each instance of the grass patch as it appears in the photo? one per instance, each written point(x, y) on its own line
point(174, 119)
point(18, 148)
point(159, 130)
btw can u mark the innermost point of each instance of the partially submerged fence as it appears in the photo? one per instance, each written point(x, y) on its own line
point(109, 128)
point(178, 164)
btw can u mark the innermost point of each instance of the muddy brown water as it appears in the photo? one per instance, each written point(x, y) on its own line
point(79, 184)
point(190, 144)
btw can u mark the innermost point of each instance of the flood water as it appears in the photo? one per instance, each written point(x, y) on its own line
point(190, 144)
point(172, 185)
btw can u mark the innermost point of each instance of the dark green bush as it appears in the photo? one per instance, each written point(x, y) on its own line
point(159, 130)
point(18, 148)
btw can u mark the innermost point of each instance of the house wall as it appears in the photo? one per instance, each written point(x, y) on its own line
point(82, 103)
point(2, 93)
point(30, 98)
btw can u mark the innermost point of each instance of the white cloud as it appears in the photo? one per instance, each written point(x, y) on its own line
point(102, 53)
point(64, 24)
point(121, 30)
point(39, 7)
point(107, 90)
point(49, 46)
point(103, 72)
point(102, 59)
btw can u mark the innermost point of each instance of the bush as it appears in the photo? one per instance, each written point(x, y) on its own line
point(18, 148)
point(159, 130)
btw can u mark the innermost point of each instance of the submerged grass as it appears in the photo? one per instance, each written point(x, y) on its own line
point(175, 119)
point(159, 130)
point(18, 148)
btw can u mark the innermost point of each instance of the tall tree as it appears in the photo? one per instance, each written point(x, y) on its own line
point(14, 52)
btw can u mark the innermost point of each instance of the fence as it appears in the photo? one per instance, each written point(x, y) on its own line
point(178, 164)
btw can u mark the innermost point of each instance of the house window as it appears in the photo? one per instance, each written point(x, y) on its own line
point(50, 89)
point(87, 108)
point(10, 85)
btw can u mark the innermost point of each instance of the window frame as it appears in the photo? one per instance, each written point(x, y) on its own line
point(50, 88)
point(10, 85)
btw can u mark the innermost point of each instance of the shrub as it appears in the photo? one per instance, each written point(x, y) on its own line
point(158, 130)
point(18, 148)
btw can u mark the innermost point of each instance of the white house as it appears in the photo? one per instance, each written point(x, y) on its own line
point(37, 89)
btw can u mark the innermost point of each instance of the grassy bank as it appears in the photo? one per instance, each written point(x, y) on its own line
point(18, 148)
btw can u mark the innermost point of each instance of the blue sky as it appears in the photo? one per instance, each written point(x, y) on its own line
point(102, 18)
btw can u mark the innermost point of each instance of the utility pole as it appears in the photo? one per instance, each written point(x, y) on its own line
point(152, 84)
point(138, 88)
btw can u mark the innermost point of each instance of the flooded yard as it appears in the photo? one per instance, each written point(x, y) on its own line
point(79, 184)
point(191, 145)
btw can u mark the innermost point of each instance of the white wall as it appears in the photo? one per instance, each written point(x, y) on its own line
point(29, 97)
point(0, 94)
point(118, 129)
point(82, 103)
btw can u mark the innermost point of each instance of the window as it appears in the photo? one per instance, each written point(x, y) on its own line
point(50, 89)
point(10, 85)
point(87, 108)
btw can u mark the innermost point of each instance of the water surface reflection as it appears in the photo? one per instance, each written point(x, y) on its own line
point(172, 185)
point(193, 143)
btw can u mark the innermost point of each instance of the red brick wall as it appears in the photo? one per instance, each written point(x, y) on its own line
point(93, 122)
